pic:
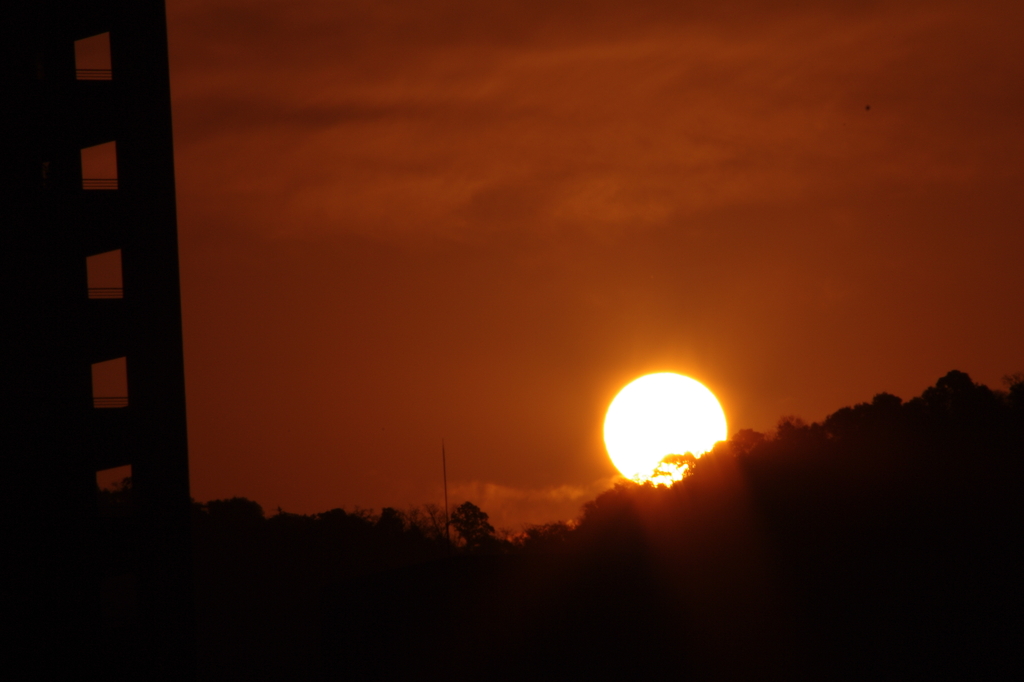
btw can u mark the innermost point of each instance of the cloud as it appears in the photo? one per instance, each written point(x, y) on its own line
point(510, 507)
point(345, 118)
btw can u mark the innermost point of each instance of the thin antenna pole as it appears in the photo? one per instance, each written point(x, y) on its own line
point(444, 469)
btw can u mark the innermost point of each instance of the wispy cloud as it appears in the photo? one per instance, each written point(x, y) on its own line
point(502, 117)
point(510, 507)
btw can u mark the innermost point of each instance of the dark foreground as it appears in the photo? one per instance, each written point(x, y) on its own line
point(880, 543)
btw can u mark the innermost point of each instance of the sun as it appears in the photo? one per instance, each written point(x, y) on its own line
point(659, 415)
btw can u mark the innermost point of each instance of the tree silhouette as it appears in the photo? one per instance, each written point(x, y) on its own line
point(390, 522)
point(1015, 385)
point(471, 524)
point(880, 538)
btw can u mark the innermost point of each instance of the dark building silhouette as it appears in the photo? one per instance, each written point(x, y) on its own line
point(88, 179)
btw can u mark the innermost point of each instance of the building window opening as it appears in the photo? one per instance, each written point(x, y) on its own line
point(116, 480)
point(92, 58)
point(110, 384)
point(99, 166)
point(104, 274)
point(114, 491)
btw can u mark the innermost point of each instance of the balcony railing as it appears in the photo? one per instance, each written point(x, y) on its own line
point(93, 74)
point(109, 402)
point(99, 183)
point(106, 292)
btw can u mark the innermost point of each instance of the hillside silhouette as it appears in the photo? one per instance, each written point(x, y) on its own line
point(880, 542)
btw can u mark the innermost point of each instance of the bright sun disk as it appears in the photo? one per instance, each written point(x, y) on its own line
point(660, 415)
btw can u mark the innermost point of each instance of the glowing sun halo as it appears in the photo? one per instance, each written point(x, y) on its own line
point(659, 415)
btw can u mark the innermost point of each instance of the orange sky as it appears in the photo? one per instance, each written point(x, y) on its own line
point(407, 220)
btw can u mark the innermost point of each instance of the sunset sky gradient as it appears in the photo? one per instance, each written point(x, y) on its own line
point(401, 221)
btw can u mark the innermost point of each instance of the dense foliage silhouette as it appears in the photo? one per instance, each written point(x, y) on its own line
point(879, 542)
point(471, 523)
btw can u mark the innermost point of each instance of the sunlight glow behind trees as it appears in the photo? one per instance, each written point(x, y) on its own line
point(655, 419)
